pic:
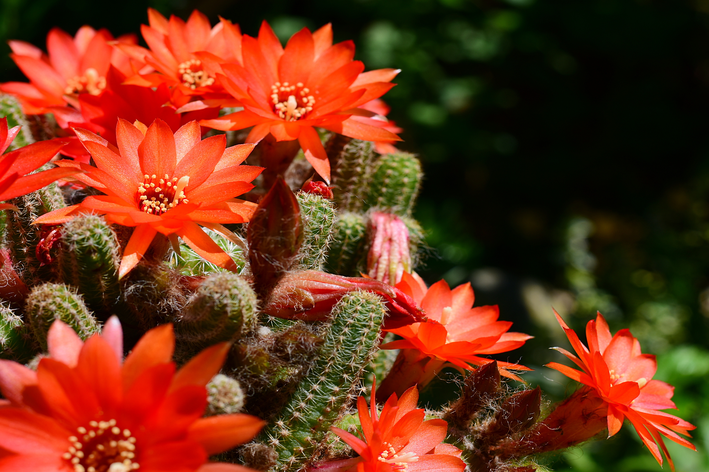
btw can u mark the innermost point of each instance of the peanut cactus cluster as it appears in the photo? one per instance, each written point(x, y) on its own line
point(303, 311)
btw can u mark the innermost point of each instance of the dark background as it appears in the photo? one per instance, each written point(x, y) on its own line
point(566, 160)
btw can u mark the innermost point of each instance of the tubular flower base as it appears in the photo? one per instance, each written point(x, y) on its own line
point(15, 165)
point(84, 411)
point(622, 377)
point(164, 183)
point(456, 334)
point(74, 66)
point(398, 440)
point(311, 83)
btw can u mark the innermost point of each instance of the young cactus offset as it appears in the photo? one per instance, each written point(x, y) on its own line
point(347, 254)
point(395, 183)
point(297, 434)
point(49, 302)
point(88, 260)
point(224, 308)
point(318, 215)
point(352, 168)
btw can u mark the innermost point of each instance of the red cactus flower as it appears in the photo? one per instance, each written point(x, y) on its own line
point(160, 182)
point(311, 83)
point(622, 376)
point(16, 166)
point(84, 409)
point(399, 439)
point(457, 334)
point(100, 113)
point(73, 66)
point(174, 48)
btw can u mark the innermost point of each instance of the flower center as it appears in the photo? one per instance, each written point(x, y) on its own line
point(193, 75)
point(400, 462)
point(156, 196)
point(291, 102)
point(102, 447)
point(90, 82)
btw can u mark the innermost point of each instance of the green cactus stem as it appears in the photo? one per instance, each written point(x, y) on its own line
point(347, 255)
point(88, 259)
point(298, 433)
point(15, 340)
point(11, 108)
point(224, 308)
point(49, 302)
point(395, 183)
point(352, 168)
point(32, 263)
point(318, 215)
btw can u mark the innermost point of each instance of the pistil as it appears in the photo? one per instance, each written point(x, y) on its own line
point(102, 447)
point(91, 82)
point(193, 75)
point(156, 196)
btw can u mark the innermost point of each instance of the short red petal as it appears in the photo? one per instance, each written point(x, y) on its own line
point(315, 152)
point(137, 245)
point(154, 348)
point(201, 368)
point(220, 433)
point(63, 343)
point(203, 245)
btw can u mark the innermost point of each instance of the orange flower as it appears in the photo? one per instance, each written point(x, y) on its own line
point(73, 67)
point(164, 183)
point(455, 334)
point(16, 164)
point(82, 410)
point(622, 376)
point(399, 439)
point(311, 83)
point(172, 47)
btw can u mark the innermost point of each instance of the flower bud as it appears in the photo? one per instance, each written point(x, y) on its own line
point(389, 255)
point(275, 235)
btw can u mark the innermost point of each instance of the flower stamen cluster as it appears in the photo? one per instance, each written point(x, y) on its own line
point(193, 76)
point(291, 102)
point(91, 82)
point(102, 447)
point(156, 199)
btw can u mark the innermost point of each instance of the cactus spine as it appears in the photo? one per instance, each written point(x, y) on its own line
point(297, 434)
point(49, 302)
point(347, 250)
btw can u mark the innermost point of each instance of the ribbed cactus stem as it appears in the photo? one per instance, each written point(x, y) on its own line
point(347, 254)
point(11, 108)
point(15, 342)
point(318, 215)
point(88, 259)
point(188, 262)
point(224, 308)
point(395, 183)
point(298, 433)
point(49, 302)
point(352, 168)
point(22, 237)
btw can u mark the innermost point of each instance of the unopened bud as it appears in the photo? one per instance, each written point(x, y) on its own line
point(389, 256)
point(275, 235)
point(318, 188)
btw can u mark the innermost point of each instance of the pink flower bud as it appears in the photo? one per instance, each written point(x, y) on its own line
point(389, 255)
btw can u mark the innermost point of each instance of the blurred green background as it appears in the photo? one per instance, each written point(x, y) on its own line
point(566, 156)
